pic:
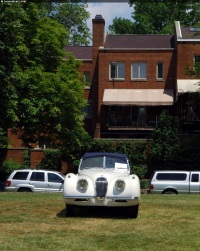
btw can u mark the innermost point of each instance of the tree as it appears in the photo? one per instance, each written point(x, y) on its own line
point(76, 26)
point(158, 16)
point(39, 92)
point(122, 26)
point(165, 140)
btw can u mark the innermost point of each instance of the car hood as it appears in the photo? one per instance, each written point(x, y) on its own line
point(107, 173)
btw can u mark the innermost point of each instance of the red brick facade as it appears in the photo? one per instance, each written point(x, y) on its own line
point(173, 52)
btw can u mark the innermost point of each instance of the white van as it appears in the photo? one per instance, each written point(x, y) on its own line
point(175, 182)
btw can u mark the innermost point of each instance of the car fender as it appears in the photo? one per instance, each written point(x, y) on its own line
point(19, 186)
point(70, 186)
point(132, 187)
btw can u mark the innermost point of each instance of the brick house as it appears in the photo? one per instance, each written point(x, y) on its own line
point(134, 77)
point(131, 80)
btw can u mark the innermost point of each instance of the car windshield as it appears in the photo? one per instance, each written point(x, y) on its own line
point(104, 162)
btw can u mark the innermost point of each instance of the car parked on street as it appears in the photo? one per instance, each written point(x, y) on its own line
point(33, 180)
point(103, 179)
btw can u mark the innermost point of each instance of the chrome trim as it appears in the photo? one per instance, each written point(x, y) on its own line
point(78, 197)
point(122, 198)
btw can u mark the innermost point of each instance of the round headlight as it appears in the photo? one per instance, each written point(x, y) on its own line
point(82, 184)
point(120, 185)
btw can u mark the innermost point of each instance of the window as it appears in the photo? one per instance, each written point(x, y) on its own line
point(171, 176)
point(139, 70)
point(37, 176)
point(117, 71)
point(160, 71)
point(20, 176)
point(52, 177)
point(195, 177)
point(87, 77)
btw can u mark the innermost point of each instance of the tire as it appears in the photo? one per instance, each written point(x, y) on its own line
point(25, 190)
point(69, 211)
point(170, 192)
point(133, 211)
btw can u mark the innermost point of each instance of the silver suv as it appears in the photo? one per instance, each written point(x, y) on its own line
point(32, 180)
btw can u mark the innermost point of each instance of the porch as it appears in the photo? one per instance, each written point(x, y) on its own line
point(130, 121)
point(131, 112)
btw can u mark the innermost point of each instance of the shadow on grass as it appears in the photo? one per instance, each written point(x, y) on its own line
point(98, 212)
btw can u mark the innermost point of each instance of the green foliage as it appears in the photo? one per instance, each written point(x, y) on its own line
point(26, 160)
point(144, 184)
point(39, 91)
point(10, 165)
point(51, 106)
point(135, 150)
point(122, 26)
point(157, 17)
point(3, 138)
point(187, 156)
point(51, 160)
point(76, 25)
point(165, 140)
point(193, 70)
point(140, 170)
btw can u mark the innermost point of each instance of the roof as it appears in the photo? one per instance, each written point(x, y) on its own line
point(80, 52)
point(96, 154)
point(137, 41)
point(190, 33)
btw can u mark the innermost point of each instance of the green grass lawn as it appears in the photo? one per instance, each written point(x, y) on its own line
point(32, 221)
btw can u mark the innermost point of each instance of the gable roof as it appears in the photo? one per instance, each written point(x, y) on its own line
point(137, 41)
point(80, 52)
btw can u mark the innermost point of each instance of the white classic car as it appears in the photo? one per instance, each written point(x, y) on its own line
point(103, 179)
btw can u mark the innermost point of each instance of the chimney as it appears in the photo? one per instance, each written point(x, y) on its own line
point(98, 30)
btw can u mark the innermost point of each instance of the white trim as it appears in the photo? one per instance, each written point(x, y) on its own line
point(157, 78)
point(135, 49)
point(178, 30)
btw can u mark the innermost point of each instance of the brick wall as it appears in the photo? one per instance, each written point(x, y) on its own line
point(186, 53)
point(36, 157)
point(168, 57)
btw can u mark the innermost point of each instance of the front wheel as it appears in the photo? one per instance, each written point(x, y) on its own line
point(133, 211)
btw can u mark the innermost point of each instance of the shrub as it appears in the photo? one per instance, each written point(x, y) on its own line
point(139, 170)
point(10, 165)
point(26, 162)
point(144, 184)
point(52, 159)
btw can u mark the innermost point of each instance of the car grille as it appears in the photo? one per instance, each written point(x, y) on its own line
point(101, 187)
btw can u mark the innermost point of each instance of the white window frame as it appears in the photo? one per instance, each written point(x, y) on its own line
point(116, 65)
point(138, 64)
point(157, 72)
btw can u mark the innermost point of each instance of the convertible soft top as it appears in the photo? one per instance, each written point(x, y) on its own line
point(96, 154)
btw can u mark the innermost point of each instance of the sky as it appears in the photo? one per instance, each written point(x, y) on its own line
point(108, 11)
